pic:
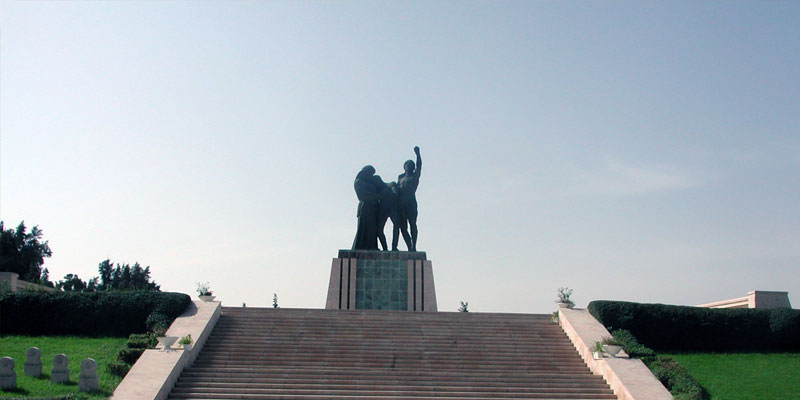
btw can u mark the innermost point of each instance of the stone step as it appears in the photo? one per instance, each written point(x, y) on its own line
point(463, 341)
point(500, 342)
point(290, 396)
point(402, 385)
point(364, 329)
point(333, 354)
point(390, 357)
point(421, 356)
point(367, 331)
point(204, 381)
point(405, 393)
point(427, 366)
point(372, 373)
point(378, 349)
point(537, 326)
point(405, 360)
point(333, 335)
point(310, 345)
point(383, 390)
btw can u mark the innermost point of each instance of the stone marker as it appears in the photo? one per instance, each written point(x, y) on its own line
point(87, 381)
point(60, 373)
point(33, 362)
point(8, 377)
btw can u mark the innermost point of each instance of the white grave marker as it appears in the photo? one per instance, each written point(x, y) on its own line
point(33, 362)
point(87, 381)
point(60, 373)
point(8, 377)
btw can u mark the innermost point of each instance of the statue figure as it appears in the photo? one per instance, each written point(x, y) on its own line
point(407, 184)
point(379, 201)
point(387, 209)
point(368, 197)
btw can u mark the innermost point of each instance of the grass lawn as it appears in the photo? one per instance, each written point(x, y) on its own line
point(745, 376)
point(76, 349)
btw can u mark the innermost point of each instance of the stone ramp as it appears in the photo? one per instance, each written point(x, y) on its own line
point(266, 353)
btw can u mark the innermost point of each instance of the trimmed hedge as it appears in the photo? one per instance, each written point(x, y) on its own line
point(681, 384)
point(142, 341)
point(632, 346)
point(86, 314)
point(118, 368)
point(129, 356)
point(676, 379)
point(683, 328)
point(67, 397)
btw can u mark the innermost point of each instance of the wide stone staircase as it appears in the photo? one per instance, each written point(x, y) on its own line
point(266, 353)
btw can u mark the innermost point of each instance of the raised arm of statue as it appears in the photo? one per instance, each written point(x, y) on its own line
point(418, 171)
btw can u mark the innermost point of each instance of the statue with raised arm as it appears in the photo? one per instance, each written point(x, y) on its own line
point(407, 184)
point(387, 208)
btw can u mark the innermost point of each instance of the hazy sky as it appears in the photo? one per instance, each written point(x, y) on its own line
point(643, 151)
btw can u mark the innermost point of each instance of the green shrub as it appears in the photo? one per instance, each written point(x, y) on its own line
point(142, 341)
point(683, 328)
point(118, 368)
point(158, 322)
point(631, 345)
point(676, 379)
point(37, 313)
point(137, 344)
point(129, 356)
point(67, 397)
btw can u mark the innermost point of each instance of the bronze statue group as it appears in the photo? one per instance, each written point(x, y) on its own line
point(379, 201)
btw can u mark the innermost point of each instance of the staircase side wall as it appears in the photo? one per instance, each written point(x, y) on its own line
point(629, 378)
point(154, 374)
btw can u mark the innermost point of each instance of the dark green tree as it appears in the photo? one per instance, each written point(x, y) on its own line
point(123, 277)
point(71, 283)
point(24, 253)
point(106, 269)
point(45, 279)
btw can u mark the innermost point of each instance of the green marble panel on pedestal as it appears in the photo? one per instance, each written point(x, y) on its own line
point(381, 284)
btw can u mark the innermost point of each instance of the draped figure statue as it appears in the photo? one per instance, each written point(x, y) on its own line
point(379, 201)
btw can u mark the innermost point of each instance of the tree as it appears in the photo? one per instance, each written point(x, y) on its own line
point(45, 279)
point(274, 300)
point(123, 277)
point(464, 307)
point(24, 253)
point(106, 269)
point(71, 283)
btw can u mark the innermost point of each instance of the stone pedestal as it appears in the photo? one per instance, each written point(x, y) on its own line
point(381, 280)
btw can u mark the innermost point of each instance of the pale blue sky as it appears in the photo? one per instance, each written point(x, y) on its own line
point(643, 151)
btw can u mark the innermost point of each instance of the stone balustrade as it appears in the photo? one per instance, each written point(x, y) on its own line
point(10, 281)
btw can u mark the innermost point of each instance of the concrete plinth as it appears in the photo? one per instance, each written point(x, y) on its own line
point(381, 280)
